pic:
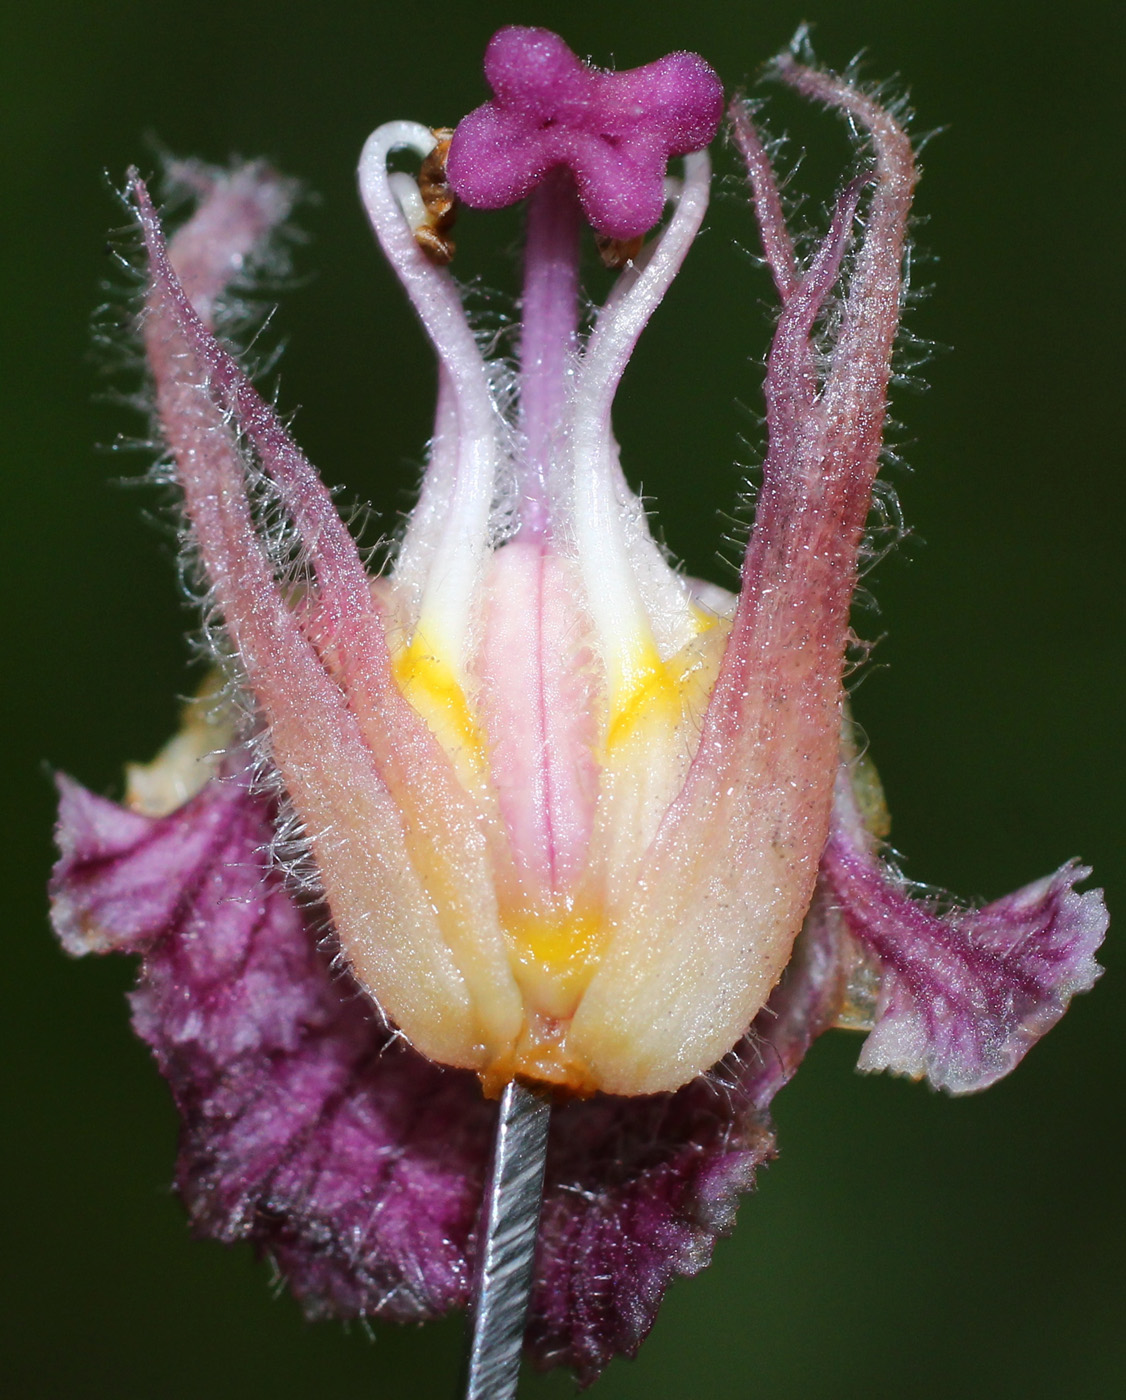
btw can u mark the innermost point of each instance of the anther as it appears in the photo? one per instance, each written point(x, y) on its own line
point(617, 252)
point(439, 201)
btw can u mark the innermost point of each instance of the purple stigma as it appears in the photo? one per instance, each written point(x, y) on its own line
point(615, 132)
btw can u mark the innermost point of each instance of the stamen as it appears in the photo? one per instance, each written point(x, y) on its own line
point(443, 622)
point(423, 532)
point(639, 291)
point(409, 197)
point(609, 534)
point(428, 203)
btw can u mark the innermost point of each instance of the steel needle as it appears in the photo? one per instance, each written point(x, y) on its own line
point(510, 1224)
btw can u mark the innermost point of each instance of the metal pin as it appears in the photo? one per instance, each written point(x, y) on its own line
point(510, 1224)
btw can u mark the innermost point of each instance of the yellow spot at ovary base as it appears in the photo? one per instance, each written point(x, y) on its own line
point(554, 955)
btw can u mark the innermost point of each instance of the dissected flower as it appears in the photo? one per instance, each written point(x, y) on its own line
point(571, 815)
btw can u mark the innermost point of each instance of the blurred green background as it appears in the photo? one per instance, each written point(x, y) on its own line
point(905, 1244)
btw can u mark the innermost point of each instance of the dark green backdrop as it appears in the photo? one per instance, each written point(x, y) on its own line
point(905, 1244)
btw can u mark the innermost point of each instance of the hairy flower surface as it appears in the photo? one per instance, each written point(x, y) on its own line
point(573, 816)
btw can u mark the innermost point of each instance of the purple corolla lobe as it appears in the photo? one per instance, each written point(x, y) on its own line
point(615, 132)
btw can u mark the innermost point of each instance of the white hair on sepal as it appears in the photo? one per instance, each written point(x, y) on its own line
point(290, 851)
point(885, 530)
point(242, 313)
point(290, 848)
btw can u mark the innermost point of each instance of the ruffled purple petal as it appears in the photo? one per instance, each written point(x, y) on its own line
point(614, 131)
point(964, 993)
point(353, 1162)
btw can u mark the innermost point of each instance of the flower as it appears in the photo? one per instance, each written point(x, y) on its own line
point(571, 816)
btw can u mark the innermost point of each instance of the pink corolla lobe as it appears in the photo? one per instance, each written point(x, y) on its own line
point(615, 132)
point(572, 817)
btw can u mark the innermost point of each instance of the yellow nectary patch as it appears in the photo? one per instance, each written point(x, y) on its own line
point(649, 689)
point(650, 692)
point(429, 683)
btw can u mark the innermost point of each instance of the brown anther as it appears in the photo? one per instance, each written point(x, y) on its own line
point(439, 200)
point(616, 252)
point(437, 247)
